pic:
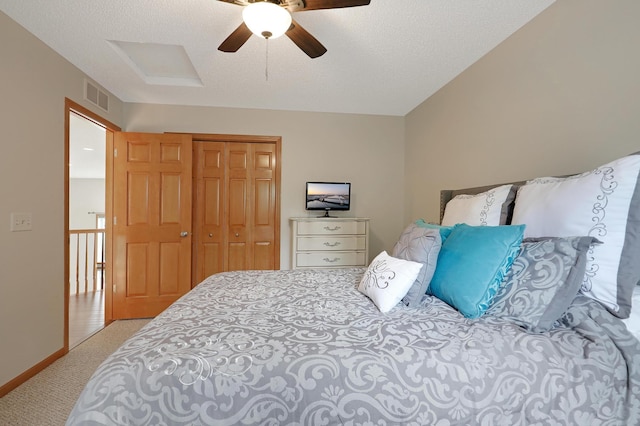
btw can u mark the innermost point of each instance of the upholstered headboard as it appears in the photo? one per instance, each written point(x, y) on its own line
point(448, 194)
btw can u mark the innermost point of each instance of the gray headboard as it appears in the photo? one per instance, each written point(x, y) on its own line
point(448, 194)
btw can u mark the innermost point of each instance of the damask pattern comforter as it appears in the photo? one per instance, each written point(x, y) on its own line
point(306, 348)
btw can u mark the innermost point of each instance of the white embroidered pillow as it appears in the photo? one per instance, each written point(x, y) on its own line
point(388, 279)
point(603, 203)
point(487, 208)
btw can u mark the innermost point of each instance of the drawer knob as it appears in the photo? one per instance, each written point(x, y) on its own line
point(335, 228)
point(334, 260)
point(328, 244)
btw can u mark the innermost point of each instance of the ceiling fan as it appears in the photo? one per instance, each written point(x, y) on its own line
point(257, 19)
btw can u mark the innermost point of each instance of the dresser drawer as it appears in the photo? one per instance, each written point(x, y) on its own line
point(331, 259)
point(327, 227)
point(332, 243)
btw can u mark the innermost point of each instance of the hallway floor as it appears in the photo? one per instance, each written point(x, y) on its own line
point(86, 316)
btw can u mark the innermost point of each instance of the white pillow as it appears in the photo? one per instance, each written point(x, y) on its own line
point(603, 203)
point(486, 208)
point(388, 279)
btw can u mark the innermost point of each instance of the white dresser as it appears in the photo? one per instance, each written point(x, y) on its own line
point(329, 242)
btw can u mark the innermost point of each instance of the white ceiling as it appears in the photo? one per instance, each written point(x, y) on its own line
point(385, 58)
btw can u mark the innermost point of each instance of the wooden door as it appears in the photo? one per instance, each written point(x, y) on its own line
point(208, 210)
point(236, 214)
point(251, 194)
point(152, 222)
point(263, 206)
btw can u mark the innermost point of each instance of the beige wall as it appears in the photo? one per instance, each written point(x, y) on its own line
point(34, 82)
point(364, 150)
point(562, 95)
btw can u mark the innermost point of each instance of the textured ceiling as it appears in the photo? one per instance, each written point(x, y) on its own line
point(385, 58)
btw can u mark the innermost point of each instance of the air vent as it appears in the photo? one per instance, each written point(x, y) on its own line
point(96, 96)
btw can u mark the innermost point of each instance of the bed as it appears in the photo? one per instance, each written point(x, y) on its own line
point(346, 347)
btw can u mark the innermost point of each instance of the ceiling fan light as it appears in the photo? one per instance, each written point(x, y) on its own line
point(266, 19)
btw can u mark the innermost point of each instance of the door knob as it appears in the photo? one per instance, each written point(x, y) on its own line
point(237, 235)
point(184, 234)
point(210, 235)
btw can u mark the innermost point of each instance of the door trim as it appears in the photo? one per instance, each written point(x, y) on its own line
point(69, 107)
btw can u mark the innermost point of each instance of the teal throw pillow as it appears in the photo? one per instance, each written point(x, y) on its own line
point(472, 264)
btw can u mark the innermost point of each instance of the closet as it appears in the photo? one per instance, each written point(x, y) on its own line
point(235, 205)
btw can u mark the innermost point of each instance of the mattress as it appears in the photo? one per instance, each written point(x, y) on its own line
point(304, 347)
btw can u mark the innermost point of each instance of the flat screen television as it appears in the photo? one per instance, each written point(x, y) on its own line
point(328, 196)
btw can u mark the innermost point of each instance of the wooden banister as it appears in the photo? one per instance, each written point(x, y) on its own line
point(87, 259)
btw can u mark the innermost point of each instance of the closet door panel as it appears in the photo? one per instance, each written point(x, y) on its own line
point(238, 199)
point(263, 206)
point(209, 227)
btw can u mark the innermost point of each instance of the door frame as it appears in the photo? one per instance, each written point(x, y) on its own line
point(73, 107)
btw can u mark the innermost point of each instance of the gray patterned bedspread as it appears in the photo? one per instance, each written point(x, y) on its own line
point(306, 348)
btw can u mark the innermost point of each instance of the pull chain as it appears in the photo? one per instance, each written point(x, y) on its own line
point(266, 62)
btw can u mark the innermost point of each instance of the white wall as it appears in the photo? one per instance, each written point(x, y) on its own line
point(34, 82)
point(366, 150)
point(85, 196)
point(562, 95)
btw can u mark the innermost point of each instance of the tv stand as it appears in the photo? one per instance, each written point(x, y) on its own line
point(326, 214)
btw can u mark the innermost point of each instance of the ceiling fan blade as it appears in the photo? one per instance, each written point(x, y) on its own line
point(236, 39)
point(328, 4)
point(238, 2)
point(305, 41)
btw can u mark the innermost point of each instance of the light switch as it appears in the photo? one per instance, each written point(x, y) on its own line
point(20, 222)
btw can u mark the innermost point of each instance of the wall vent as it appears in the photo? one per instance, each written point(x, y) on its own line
point(95, 95)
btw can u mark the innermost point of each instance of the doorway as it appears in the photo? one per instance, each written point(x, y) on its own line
point(87, 164)
point(87, 138)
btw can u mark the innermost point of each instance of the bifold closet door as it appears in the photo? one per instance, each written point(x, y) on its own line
point(208, 209)
point(235, 207)
point(251, 216)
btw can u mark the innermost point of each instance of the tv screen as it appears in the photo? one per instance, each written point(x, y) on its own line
point(328, 196)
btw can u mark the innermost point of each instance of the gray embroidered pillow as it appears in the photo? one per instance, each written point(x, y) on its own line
point(543, 281)
point(419, 245)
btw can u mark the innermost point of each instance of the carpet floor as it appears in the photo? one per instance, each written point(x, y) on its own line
point(48, 397)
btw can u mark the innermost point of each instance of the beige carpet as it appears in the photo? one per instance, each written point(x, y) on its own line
point(48, 397)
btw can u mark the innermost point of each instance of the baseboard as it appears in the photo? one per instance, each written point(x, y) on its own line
point(14, 383)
